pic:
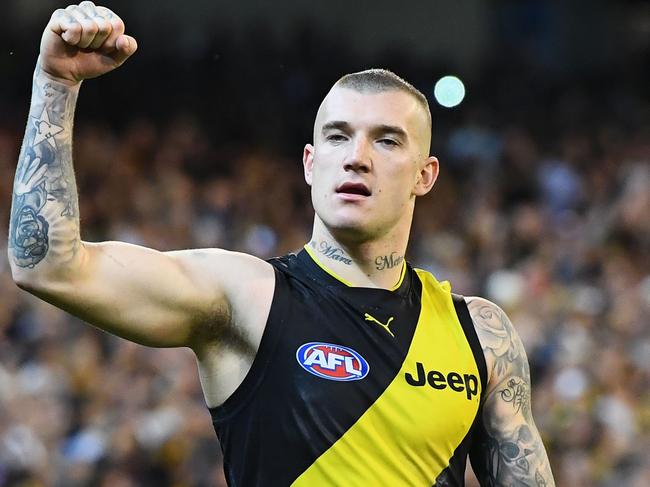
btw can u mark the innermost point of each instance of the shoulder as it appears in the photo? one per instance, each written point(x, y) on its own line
point(232, 270)
point(249, 283)
point(499, 340)
point(245, 282)
point(234, 273)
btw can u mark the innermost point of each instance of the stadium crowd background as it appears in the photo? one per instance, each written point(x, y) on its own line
point(543, 205)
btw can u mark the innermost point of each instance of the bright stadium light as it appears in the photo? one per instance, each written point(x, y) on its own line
point(449, 91)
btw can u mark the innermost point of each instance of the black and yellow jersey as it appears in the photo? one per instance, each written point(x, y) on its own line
point(355, 386)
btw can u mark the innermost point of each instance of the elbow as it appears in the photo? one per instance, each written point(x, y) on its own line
point(29, 279)
point(40, 276)
point(25, 286)
point(18, 274)
point(25, 280)
point(24, 276)
point(41, 285)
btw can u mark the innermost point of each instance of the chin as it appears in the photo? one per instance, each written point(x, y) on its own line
point(353, 223)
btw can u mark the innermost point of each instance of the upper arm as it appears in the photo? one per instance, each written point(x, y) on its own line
point(163, 299)
point(509, 450)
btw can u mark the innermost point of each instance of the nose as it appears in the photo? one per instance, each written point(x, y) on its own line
point(359, 158)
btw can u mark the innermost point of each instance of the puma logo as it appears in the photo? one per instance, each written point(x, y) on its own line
point(384, 326)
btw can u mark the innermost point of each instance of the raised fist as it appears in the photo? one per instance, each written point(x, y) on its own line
point(84, 41)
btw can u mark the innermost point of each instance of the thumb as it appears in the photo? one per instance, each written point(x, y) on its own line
point(125, 46)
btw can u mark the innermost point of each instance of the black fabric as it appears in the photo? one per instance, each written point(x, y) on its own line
point(472, 338)
point(483, 453)
point(454, 474)
point(479, 448)
point(282, 418)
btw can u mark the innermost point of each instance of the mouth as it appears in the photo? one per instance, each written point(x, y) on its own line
point(358, 189)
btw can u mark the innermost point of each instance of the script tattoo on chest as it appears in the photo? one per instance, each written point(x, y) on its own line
point(331, 252)
point(388, 261)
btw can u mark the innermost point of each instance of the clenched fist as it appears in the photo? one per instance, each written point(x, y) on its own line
point(84, 41)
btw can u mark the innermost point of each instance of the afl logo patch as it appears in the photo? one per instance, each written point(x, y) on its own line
point(333, 362)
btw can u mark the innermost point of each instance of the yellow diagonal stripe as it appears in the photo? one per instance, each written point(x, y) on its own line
point(409, 434)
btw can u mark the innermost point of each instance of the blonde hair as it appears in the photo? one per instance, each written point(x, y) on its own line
point(378, 80)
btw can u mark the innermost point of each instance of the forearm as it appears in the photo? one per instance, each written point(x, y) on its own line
point(44, 229)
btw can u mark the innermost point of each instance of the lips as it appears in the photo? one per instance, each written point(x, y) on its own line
point(354, 188)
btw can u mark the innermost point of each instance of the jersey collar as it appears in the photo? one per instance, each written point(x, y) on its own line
point(320, 271)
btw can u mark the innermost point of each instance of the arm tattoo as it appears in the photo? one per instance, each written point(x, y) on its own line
point(496, 335)
point(510, 450)
point(331, 252)
point(516, 392)
point(511, 457)
point(45, 194)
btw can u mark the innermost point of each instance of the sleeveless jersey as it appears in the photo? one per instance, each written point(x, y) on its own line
point(355, 386)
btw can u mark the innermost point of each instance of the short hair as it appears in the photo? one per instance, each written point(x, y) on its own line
point(377, 80)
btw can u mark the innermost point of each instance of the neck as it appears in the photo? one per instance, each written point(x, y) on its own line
point(374, 263)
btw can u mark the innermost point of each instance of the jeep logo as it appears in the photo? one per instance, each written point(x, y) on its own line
point(438, 380)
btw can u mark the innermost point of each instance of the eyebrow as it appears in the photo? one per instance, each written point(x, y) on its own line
point(336, 125)
point(376, 129)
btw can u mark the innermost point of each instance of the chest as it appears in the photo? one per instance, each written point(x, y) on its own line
point(366, 362)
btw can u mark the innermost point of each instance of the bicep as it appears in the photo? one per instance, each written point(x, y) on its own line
point(149, 297)
point(508, 448)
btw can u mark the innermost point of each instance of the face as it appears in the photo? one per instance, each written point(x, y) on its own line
point(368, 162)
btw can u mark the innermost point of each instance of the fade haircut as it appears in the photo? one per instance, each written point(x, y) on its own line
point(379, 80)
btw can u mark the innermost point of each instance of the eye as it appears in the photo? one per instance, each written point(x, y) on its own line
point(388, 142)
point(336, 138)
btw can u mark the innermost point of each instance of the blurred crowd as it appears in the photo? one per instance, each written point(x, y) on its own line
point(543, 205)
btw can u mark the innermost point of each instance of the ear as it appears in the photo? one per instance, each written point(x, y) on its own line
point(426, 177)
point(308, 162)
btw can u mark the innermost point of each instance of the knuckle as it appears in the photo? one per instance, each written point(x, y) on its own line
point(90, 27)
point(60, 15)
point(78, 11)
point(118, 24)
point(103, 27)
point(106, 12)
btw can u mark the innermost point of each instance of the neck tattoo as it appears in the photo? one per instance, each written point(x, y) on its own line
point(331, 252)
point(388, 261)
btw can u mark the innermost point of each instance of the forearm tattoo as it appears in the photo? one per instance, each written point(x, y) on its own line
point(45, 212)
point(511, 448)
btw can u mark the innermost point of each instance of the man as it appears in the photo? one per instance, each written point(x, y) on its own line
point(341, 365)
